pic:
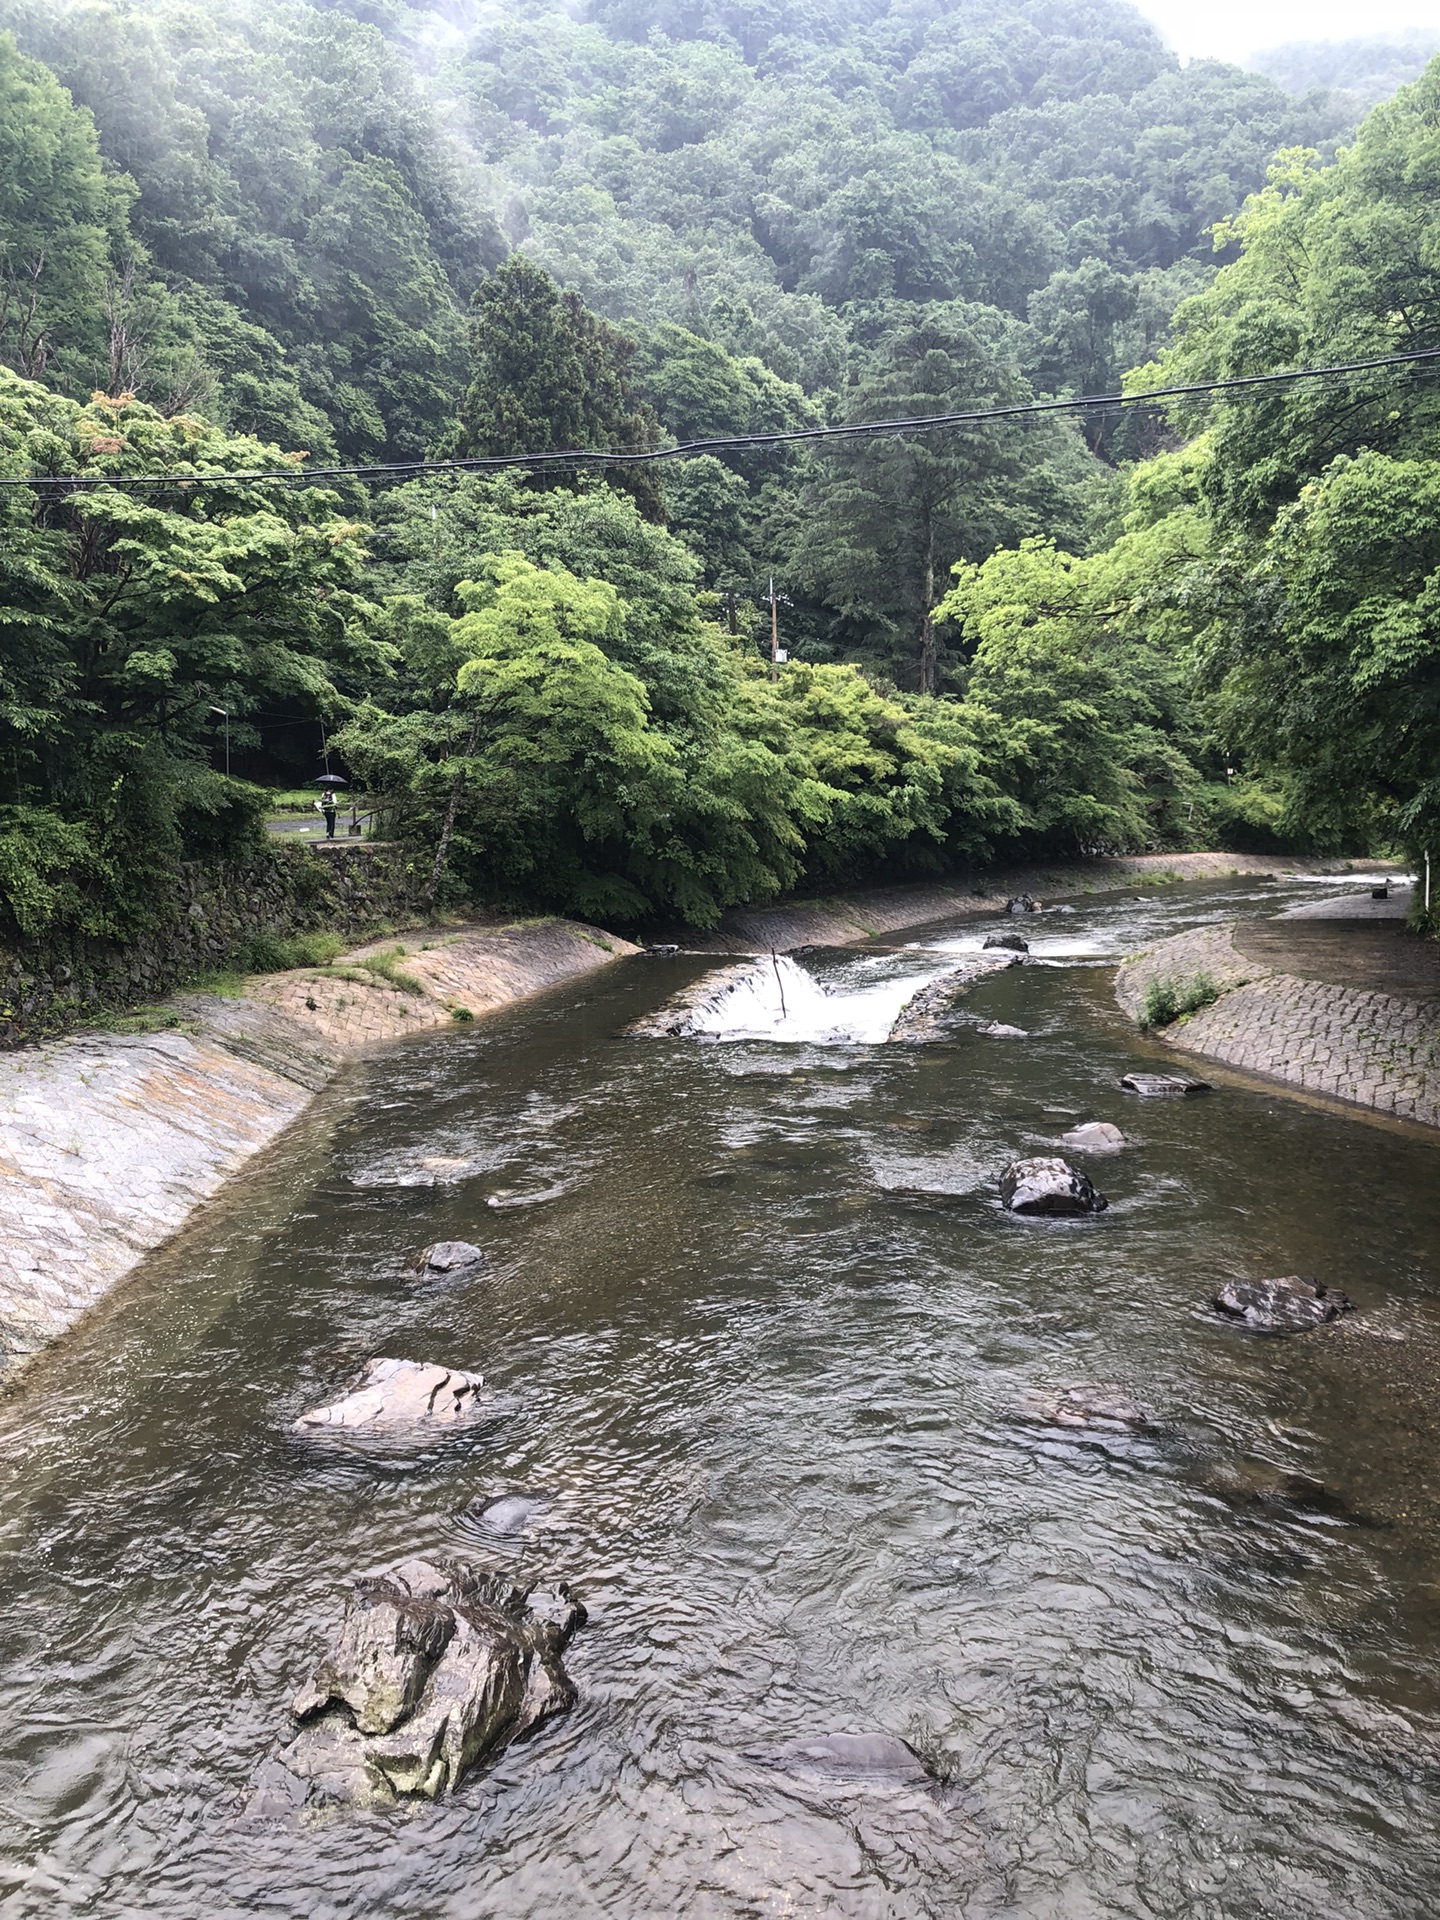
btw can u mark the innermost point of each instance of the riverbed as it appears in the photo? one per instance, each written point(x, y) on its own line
point(764, 1352)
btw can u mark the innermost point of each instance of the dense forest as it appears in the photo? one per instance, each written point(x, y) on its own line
point(236, 239)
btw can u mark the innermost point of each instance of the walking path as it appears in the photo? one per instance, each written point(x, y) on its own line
point(1348, 1009)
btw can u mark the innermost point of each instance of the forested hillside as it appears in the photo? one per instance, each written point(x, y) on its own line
point(236, 237)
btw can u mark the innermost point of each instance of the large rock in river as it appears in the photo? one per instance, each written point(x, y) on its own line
point(446, 1256)
point(1011, 942)
point(1048, 1185)
point(434, 1667)
point(395, 1394)
point(1292, 1304)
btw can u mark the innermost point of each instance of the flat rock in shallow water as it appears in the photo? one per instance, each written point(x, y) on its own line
point(1012, 942)
point(1096, 1136)
point(1048, 1185)
point(866, 1759)
point(1293, 1304)
point(446, 1256)
point(434, 1667)
point(502, 1512)
point(997, 1030)
point(1105, 1409)
point(1155, 1086)
point(393, 1394)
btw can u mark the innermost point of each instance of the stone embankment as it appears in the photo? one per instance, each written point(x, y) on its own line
point(1337, 1037)
point(110, 1141)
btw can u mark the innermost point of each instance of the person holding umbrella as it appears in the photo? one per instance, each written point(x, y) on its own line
point(325, 802)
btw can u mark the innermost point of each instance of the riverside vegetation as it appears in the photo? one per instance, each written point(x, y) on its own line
point(276, 235)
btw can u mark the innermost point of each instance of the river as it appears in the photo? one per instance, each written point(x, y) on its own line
point(761, 1342)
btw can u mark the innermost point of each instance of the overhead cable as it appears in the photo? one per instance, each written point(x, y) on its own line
point(590, 457)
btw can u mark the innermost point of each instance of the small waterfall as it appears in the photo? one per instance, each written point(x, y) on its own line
point(774, 999)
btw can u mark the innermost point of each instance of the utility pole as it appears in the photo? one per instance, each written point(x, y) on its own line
point(730, 610)
point(774, 631)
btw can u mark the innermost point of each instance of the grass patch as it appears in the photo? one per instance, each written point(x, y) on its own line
point(269, 953)
point(1167, 999)
point(386, 967)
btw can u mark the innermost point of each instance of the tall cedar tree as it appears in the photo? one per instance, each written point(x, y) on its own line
point(549, 375)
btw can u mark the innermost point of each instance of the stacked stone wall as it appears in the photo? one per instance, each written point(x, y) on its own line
point(51, 984)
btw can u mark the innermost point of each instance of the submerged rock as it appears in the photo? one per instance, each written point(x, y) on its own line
point(434, 1667)
point(1260, 1483)
point(446, 1256)
point(867, 1759)
point(1106, 1409)
point(1048, 1185)
point(1012, 942)
point(1293, 1304)
point(393, 1394)
point(1096, 1136)
point(1158, 1085)
point(997, 1030)
point(502, 1512)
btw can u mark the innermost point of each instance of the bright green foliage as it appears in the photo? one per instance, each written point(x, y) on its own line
point(126, 617)
point(1167, 999)
point(1097, 734)
point(571, 790)
point(434, 534)
point(1315, 609)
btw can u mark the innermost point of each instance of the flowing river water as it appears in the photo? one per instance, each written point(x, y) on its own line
point(761, 1343)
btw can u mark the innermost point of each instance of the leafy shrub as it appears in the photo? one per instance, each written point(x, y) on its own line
point(269, 953)
point(1166, 999)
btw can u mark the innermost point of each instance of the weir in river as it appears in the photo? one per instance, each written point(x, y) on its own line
point(769, 1369)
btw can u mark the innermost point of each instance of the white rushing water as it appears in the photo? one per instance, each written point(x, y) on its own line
point(777, 1000)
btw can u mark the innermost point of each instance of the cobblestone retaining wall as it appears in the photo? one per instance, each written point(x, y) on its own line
point(1371, 1049)
point(352, 889)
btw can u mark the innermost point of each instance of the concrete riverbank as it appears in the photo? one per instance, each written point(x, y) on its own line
point(110, 1141)
point(1336, 1001)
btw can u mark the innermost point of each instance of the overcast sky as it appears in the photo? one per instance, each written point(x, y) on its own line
point(1233, 29)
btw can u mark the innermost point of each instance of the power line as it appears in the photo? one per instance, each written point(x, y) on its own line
point(583, 457)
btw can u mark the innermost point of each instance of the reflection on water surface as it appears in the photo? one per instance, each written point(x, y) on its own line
point(765, 1352)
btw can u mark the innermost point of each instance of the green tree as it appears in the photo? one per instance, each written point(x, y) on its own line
point(127, 617)
point(63, 230)
point(548, 375)
point(887, 517)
